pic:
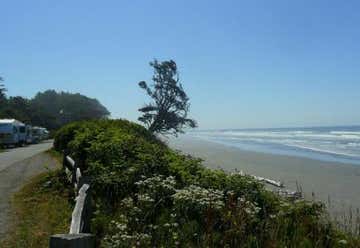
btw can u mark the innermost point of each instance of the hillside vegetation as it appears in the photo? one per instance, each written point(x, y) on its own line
point(51, 109)
point(147, 195)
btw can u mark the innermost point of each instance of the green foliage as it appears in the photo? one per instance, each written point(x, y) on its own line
point(63, 107)
point(148, 195)
point(18, 108)
point(167, 113)
point(50, 109)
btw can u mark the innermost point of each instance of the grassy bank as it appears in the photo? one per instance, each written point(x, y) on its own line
point(40, 209)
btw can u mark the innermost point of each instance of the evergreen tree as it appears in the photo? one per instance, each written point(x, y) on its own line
point(167, 112)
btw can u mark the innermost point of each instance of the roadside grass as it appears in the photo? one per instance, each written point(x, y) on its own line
point(55, 154)
point(41, 208)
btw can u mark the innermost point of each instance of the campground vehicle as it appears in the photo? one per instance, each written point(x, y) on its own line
point(12, 132)
point(16, 133)
point(39, 134)
point(44, 133)
point(22, 134)
point(29, 136)
point(36, 136)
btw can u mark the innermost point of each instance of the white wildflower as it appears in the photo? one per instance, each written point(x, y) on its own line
point(343, 242)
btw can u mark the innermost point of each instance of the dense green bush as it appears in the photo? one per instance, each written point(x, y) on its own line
point(148, 195)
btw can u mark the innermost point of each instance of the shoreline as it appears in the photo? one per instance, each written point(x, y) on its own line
point(331, 182)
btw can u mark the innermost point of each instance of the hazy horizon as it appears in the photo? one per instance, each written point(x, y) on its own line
point(274, 128)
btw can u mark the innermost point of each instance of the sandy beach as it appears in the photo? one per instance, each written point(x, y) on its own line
point(327, 180)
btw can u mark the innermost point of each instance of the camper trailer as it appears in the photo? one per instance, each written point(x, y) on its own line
point(29, 136)
point(36, 134)
point(44, 133)
point(39, 134)
point(12, 132)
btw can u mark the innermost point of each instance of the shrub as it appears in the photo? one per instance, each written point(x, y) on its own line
point(148, 195)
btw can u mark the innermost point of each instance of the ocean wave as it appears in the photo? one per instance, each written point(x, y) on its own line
point(293, 134)
point(345, 132)
point(324, 150)
point(334, 142)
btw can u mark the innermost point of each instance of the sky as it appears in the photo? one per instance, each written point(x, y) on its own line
point(244, 64)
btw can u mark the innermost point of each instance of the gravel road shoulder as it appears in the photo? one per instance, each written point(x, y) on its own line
point(16, 175)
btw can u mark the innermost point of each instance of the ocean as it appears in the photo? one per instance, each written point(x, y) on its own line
point(334, 144)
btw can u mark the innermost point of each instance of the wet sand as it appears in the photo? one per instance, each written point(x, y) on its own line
point(327, 180)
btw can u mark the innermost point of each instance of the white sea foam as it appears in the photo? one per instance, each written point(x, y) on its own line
point(316, 149)
point(345, 132)
point(336, 142)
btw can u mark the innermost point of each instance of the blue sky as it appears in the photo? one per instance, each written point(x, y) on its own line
point(243, 63)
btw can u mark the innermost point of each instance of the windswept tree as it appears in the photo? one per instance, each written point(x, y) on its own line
point(167, 113)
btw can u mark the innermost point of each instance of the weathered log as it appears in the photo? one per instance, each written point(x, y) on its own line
point(295, 195)
point(79, 214)
point(70, 163)
point(78, 175)
point(261, 179)
point(269, 181)
point(80, 223)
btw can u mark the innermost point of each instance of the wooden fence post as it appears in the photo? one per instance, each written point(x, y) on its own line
point(64, 160)
point(78, 236)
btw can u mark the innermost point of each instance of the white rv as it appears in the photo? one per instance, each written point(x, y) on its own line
point(39, 134)
point(45, 133)
point(12, 132)
point(29, 136)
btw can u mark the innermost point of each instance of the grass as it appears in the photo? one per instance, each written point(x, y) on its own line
point(41, 208)
point(55, 154)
